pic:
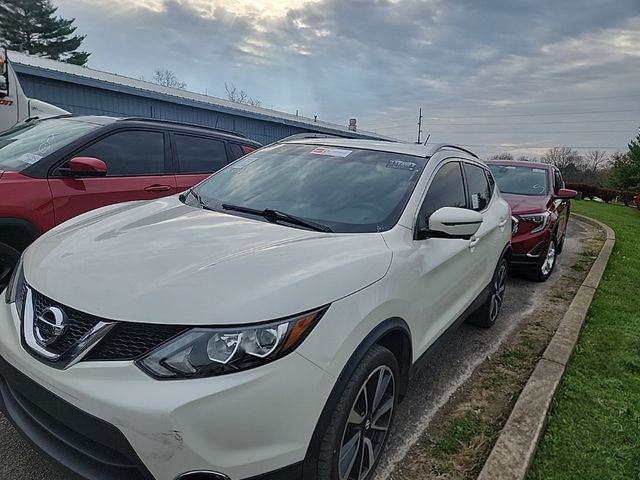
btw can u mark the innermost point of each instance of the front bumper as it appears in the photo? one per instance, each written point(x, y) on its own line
point(529, 249)
point(108, 420)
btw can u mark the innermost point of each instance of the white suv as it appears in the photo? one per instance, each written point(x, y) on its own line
point(263, 324)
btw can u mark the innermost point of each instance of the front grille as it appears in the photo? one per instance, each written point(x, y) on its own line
point(129, 341)
point(78, 323)
point(126, 341)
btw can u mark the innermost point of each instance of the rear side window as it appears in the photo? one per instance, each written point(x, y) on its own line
point(236, 151)
point(133, 152)
point(479, 189)
point(446, 190)
point(198, 154)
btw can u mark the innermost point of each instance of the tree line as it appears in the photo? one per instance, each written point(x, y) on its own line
point(598, 168)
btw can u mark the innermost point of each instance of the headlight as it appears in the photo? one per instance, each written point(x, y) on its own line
point(206, 352)
point(13, 294)
point(514, 225)
point(539, 219)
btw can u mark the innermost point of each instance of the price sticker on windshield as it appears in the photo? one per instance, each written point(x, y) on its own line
point(332, 152)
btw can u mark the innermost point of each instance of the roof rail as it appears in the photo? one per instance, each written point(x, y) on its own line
point(186, 124)
point(433, 149)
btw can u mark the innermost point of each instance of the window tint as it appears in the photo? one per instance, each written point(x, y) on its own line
point(479, 190)
point(236, 151)
point(199, 155)
point(446, 190)
point(132, 152)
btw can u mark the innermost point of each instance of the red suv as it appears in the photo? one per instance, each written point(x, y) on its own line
point(540, 204)
point(55, 169)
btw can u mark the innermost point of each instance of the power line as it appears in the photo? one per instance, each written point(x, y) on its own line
point(504, 115)
point(628, 120)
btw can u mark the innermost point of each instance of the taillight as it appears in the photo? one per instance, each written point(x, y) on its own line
point(246, 149)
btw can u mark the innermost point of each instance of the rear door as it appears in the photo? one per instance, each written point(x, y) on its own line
point(138, 168)
point(196, 157)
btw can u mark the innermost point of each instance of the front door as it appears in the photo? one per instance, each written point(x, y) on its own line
point(138, 168)
point(445, 284)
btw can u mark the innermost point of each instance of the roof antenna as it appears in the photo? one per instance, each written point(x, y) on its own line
point(427, 140)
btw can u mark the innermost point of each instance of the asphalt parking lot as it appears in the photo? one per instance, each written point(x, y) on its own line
point(430, 389)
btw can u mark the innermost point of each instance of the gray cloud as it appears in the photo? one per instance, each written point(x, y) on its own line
point(495, 64)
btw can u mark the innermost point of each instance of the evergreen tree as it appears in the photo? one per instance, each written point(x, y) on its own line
point(31, 26)
point(625, 171)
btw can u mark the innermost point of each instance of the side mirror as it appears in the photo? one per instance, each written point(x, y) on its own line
point(4, 73)
point(85, 167)
point(453, 222)
point(566, 193)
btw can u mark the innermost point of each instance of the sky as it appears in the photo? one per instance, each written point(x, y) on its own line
point(494, 75)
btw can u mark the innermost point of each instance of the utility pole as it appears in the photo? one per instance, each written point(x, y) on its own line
point(419, 125)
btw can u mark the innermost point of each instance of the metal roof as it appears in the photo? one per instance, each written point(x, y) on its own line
point(38, 66)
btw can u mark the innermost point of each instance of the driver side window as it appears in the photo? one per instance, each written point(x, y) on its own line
point(446, 190)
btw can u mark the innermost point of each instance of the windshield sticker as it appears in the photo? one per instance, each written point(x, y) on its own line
point(29, 158)
point(401, 165)
point(475, 201)
point(538, 170)
point(332, 152)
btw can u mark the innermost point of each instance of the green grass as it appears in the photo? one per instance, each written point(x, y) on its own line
point(594, 427)
point(461, 431)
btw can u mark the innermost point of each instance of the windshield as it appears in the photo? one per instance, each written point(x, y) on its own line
point(520, 180)
point(24, 145)
point(348, 190)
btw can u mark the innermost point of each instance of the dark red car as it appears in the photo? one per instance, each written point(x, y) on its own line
point(55, 169)
point(540, 204)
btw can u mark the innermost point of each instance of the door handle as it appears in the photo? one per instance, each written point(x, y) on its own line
point(502, 223)
point(473, 242)
point(158, 188)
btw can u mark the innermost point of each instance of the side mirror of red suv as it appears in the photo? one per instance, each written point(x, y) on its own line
point(85, 167)
point(566, 193)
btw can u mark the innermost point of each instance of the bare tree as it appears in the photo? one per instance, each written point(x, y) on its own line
point(596, 160)
point(526, 158)
point(563, 157)
point(240, 96)
point(166, 78)
point(501, 156)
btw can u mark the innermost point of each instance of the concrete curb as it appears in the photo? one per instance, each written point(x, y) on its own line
point(516, 445)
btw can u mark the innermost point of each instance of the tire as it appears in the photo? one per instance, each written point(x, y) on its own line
point(9, 257)
point(489, 311)
point(356, 434)
point(545, 268)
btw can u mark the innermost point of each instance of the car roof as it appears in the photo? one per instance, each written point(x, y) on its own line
point(516, 163)
point(415, 149)
point(104, 120)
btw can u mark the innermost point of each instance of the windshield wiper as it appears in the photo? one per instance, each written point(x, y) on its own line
point(277, 215)
point(201, 202)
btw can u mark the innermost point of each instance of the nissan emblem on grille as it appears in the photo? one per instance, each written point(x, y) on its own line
point(49, 326)
point(44, 329)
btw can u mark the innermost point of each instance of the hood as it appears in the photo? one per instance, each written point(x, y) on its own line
point(522, 204)
point(165, 262)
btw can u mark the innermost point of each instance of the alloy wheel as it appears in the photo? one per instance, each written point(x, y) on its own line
point(549, 260)
point(497, 296)
point(367, 426)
